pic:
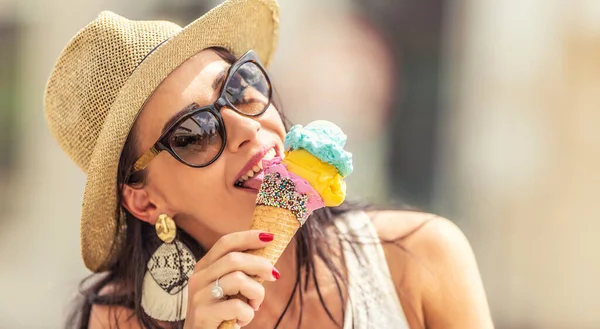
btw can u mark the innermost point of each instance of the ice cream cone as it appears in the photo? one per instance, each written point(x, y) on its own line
point(283, 224)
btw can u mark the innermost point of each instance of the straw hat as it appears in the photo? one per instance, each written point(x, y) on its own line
point(106, 73)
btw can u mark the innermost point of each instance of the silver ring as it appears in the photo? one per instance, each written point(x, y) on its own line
point(217, 291)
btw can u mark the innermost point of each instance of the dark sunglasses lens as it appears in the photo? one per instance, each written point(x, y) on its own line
point(198, 139)
point(248, 90)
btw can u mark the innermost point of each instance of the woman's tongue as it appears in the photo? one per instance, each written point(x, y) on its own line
point(254, 182)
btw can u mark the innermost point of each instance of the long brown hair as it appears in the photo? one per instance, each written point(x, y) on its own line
point(127, 271)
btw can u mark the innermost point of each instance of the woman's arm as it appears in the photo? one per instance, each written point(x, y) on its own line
point(435, 271)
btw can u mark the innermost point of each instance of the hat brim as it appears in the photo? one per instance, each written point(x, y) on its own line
point(237, 25)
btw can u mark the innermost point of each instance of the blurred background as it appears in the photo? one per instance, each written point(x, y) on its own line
point(485, 112)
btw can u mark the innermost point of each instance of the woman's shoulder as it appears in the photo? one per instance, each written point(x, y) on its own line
point(422, 230)
point(427, 240)
point(433, 268)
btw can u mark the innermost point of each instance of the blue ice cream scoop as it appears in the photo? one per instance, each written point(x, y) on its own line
point(324, 140)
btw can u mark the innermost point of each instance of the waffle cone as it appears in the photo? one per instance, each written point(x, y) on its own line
point(283, 224)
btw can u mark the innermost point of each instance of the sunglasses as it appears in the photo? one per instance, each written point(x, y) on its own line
point(198, 137)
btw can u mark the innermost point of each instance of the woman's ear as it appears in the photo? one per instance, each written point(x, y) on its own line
point(138, 203)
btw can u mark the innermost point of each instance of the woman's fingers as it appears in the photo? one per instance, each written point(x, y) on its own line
point(232, 284)
point(237, 261)
point(234, 309)
point(212, 316)
point(238, 241)
point(237, 273)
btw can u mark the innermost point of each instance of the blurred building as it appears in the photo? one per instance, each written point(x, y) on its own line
point(483, 112)
point(520, 154)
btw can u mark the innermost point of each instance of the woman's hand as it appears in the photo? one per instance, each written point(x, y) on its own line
point(227, 262)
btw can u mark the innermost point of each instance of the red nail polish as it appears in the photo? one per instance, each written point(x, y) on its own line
point(266, 237)
point(276, 274)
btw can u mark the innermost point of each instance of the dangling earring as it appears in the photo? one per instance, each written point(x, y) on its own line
point(164, 290)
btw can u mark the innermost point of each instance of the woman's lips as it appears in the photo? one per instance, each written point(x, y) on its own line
point(255, 162)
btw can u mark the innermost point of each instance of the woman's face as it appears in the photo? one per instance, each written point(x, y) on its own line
point(205, 202)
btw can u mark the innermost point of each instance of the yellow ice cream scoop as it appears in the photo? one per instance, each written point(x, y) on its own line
point(323, 177)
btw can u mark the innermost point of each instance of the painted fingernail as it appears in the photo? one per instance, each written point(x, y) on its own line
point(276, 274)
point(266, 237)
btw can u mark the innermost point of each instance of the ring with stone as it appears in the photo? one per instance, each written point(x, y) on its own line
point(217, 291)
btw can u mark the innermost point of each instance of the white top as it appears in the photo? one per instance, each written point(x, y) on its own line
point(373, 301)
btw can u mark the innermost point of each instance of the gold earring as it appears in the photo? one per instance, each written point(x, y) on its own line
point(164, 289)
point(165, 228)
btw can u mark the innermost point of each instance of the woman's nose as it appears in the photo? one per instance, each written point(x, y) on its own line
point(240, 129)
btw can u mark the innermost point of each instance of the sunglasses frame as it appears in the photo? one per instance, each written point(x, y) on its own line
point(215, 109)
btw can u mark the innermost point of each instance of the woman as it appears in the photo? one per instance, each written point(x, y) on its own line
point(165, 122)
